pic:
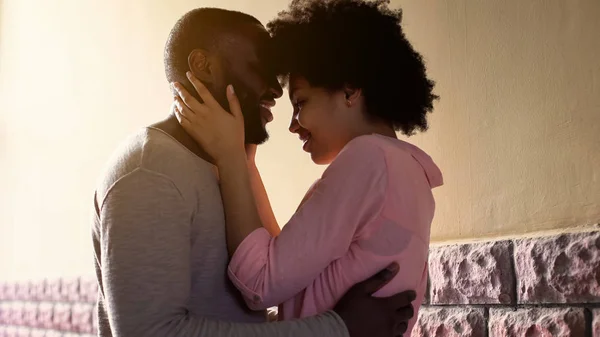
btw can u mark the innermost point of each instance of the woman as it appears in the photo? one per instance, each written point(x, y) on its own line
point(354, 80)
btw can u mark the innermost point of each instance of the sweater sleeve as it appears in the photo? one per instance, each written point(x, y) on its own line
point(145, 267)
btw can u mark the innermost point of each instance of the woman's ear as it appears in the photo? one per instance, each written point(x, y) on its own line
point(351, 95)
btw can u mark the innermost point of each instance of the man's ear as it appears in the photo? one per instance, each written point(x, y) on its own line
point(200, 63)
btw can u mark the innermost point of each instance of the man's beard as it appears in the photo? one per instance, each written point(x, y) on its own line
point(254, 130)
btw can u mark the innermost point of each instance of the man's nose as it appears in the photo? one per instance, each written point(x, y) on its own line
point(275, 88)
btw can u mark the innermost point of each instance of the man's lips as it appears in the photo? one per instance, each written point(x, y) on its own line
point(266, 114)
point(265, 110)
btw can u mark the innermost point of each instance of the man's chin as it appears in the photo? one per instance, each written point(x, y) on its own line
point(257, 138)
point(256, 133)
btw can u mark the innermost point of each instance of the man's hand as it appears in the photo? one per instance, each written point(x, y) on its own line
point(368, 316)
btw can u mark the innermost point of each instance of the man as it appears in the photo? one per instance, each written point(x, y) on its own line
point(159, 231)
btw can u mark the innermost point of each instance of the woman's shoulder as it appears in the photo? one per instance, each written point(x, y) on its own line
point(375, 146)
point(384, 145)
point(364, 155)
point(391, 154)
point(397, 155)
point(361, 149)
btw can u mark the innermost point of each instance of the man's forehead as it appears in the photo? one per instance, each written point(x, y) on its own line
point(249, 40)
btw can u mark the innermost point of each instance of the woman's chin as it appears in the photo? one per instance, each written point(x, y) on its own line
point(320, 159)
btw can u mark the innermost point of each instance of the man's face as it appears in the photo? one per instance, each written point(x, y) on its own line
point(246, 66)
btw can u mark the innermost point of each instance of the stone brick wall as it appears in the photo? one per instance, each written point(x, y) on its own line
point(536, 287)
point(543, 286)
point(49, 308)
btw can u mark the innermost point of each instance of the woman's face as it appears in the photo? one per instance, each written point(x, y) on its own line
point(322, 119)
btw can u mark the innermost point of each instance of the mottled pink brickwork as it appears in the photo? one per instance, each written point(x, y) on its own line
point(547, 322)
point(596, 323)
point(473, 291)
point(559, 269)
point(450, 322)
point(478, 273)
point(81, 317)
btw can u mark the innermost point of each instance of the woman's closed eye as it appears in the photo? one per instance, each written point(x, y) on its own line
point(298, 105)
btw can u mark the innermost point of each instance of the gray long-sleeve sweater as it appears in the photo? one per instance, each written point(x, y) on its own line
point(161, 257)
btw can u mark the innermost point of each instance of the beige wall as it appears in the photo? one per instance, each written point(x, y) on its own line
point(516, 131)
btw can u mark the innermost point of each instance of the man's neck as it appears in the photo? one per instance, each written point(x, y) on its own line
point(171, 126)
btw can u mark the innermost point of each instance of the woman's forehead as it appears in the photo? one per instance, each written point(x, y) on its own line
point(297, 83)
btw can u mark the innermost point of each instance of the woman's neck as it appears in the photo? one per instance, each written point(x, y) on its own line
point(379, 128)
point(386, 130)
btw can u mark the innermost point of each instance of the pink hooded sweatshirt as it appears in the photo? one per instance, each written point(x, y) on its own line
point(372, 206)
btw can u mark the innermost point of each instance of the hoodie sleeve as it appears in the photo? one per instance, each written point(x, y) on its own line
point(350, 194)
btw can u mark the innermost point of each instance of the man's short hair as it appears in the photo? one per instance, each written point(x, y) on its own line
point(199, 28)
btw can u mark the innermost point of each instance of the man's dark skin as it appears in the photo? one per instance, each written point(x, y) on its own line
point(242, 60)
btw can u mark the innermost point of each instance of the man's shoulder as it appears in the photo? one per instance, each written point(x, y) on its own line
point(152, 150)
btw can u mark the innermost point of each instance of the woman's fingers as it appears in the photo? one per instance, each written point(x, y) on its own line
point(201, 89)
point(187, 99)
point(184, 115)
point(181, 118)
point(234, 102)
point(184, 109)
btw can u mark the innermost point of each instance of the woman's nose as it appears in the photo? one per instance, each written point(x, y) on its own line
point(294, 125)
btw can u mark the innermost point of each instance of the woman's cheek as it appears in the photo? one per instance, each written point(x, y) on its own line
point(304, 119)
